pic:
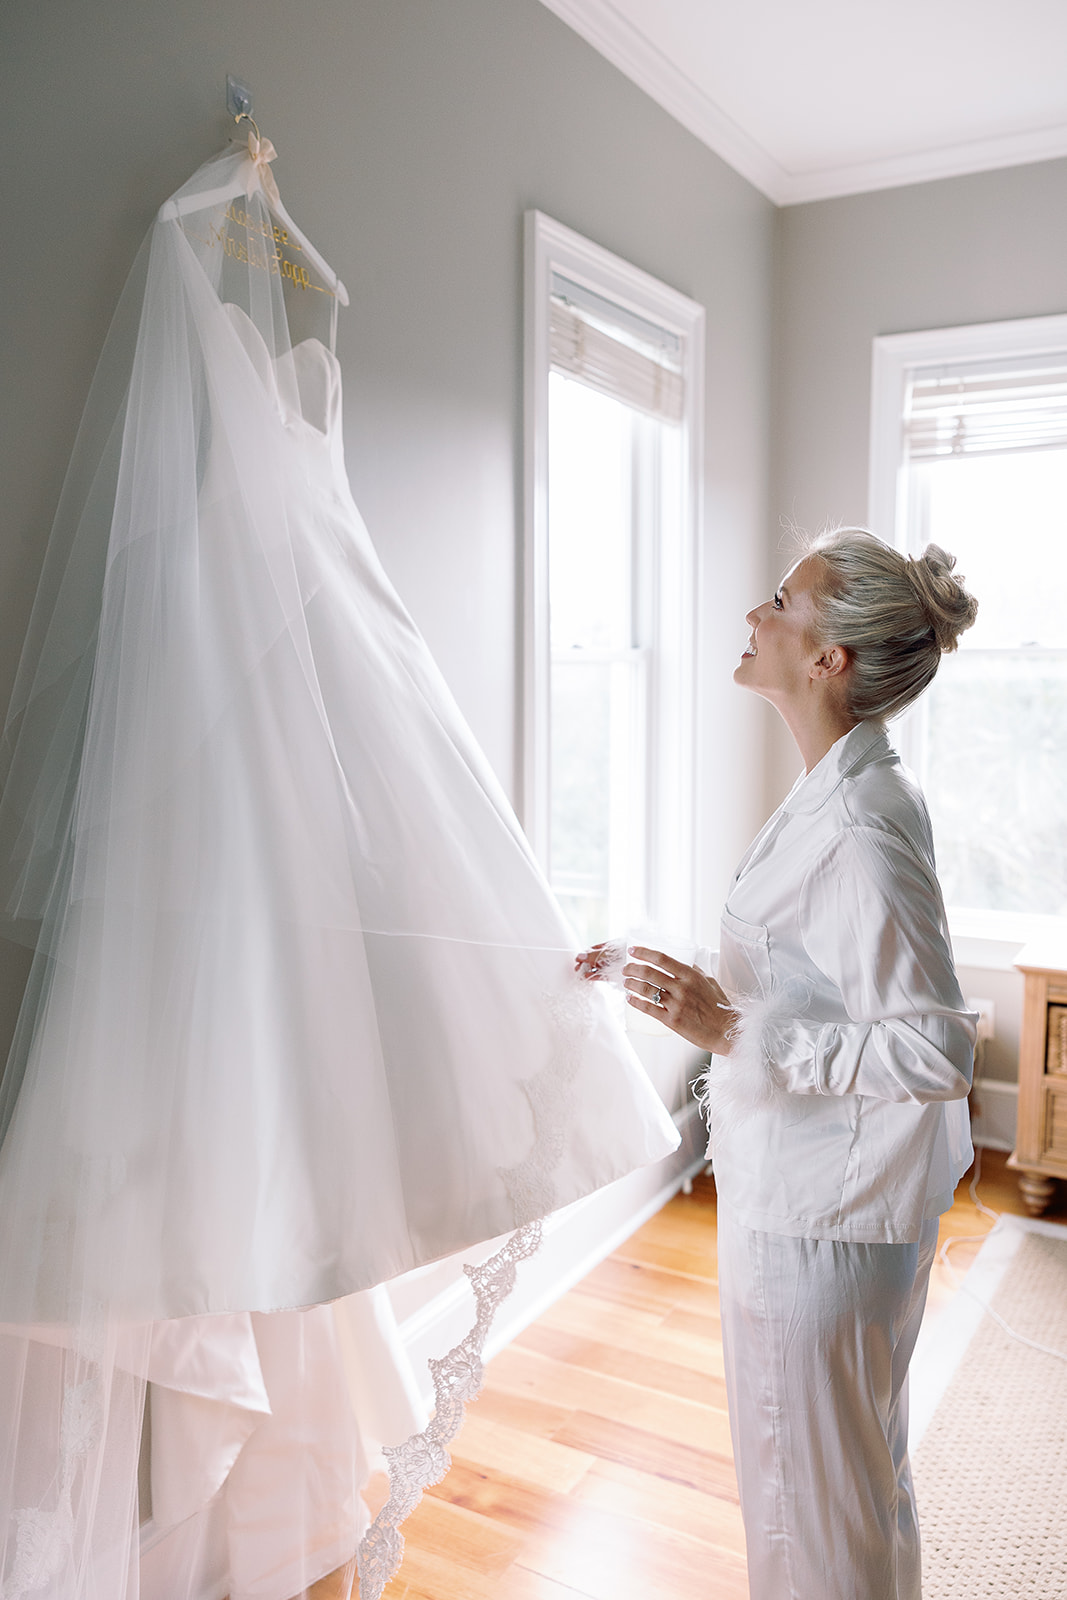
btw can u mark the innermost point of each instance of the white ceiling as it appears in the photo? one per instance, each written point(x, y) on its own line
point(813, 98)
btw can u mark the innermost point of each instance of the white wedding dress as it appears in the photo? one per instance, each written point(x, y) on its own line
point(302, 1014)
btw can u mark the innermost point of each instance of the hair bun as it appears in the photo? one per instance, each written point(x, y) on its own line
point(948, 607)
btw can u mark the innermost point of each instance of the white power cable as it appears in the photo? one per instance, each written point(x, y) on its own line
point(969, 1238)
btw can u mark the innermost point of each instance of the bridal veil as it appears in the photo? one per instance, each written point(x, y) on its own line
point(301, 1015)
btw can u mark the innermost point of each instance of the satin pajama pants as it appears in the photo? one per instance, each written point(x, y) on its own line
point(817, 1336)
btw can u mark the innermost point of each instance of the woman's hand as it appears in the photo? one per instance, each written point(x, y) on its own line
point(691, 1004)
point(600, 963)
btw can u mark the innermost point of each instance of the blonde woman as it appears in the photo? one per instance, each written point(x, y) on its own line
point(842, 1053)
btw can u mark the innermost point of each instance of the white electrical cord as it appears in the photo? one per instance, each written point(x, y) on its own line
point(966, 1238)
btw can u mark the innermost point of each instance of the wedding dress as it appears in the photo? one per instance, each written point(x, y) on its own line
point(301, 1014)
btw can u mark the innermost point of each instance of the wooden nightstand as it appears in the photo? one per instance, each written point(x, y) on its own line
point(1040, 1154)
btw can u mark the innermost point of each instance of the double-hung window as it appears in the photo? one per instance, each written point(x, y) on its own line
point(614, 397)
point(969, 450)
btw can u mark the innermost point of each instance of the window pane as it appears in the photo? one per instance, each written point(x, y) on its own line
point(590, 512)
point(996, 779)
point(598, 789)
point(994, 754)
point(581, 765)
point(597, 699)
point(1005, 520)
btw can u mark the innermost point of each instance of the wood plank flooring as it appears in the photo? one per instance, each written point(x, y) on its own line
point(596, 1465)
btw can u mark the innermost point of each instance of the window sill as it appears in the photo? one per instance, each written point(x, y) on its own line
point(994, 939)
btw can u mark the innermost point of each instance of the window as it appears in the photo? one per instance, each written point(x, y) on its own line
point(614, 396)
point(969, 450)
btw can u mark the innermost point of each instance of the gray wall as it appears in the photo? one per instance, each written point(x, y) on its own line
point(412, 134)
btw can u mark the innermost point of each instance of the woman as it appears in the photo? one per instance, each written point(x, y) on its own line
point(843, 1054)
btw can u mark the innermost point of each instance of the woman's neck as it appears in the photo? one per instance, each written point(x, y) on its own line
point(816, 728)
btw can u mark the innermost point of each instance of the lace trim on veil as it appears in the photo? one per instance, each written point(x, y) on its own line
point(423, 1459)
point(44, 1539)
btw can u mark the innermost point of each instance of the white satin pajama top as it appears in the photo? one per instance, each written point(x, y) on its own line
point(841, 1111)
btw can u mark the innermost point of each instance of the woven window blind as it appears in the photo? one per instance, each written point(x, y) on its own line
point(615, 351)
point(969, 411)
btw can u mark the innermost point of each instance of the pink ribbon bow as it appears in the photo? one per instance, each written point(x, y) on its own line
point(262, 152)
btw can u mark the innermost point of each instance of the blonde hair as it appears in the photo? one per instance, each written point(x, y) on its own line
point(894, 614)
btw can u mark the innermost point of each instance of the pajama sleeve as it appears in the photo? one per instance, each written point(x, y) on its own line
point(872, 921)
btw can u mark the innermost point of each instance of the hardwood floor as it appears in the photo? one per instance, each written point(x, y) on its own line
point(596, 1465)
point(998, 1188)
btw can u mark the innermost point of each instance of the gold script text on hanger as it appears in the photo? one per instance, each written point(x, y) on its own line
point(173, 210)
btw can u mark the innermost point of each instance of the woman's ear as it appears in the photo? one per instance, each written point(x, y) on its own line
point(832, 663)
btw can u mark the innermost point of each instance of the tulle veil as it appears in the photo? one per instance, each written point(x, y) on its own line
point(300, 1015)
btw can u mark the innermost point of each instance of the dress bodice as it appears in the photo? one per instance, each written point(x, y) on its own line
point(303, 383)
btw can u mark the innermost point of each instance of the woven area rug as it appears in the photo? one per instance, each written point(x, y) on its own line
point(989, 1426)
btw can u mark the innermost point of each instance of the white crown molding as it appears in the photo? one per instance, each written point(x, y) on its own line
point(947, 161)
point(626, 47)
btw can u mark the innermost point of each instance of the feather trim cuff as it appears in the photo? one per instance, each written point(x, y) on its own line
point(732, 1088)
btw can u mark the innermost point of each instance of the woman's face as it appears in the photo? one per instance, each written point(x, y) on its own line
point(780, 655)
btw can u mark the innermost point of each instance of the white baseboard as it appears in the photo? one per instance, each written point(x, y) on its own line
point(576, 1240)
point(993, 1122)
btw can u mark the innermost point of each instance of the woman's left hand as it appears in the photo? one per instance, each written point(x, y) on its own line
point(691, 1004)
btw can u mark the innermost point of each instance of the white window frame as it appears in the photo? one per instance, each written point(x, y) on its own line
point(985, 938)
point(670, 821)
